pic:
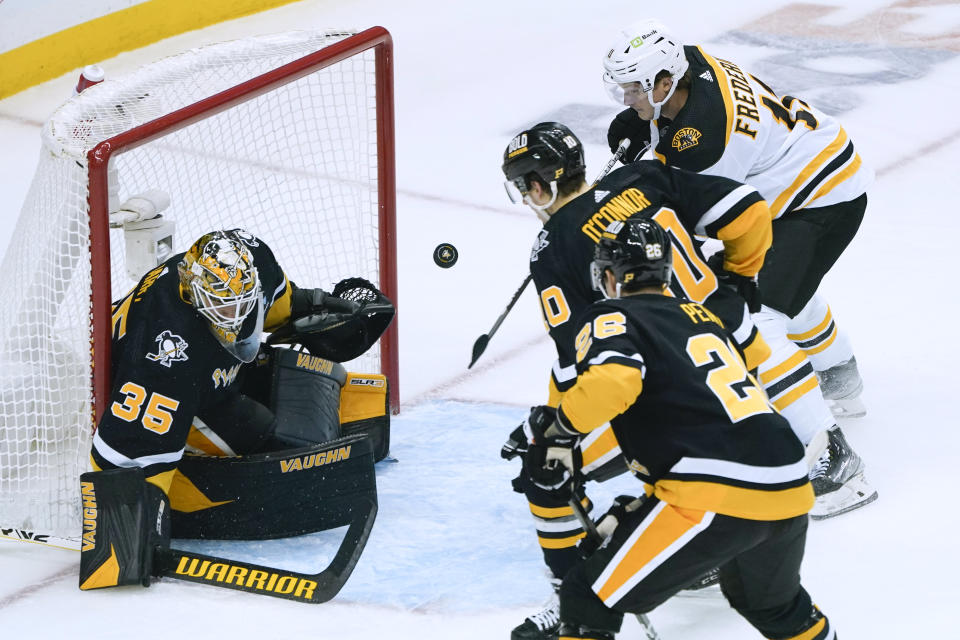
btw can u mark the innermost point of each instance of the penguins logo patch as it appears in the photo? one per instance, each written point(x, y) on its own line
point(686, 138)
point(173, 348)
point(539, 245)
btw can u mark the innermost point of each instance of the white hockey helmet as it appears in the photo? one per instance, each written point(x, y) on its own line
point(640, 52)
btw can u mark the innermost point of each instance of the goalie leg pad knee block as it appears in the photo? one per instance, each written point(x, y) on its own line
point(124, 518)
point(305, 398)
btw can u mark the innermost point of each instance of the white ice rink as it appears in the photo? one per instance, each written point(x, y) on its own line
point(453, 553)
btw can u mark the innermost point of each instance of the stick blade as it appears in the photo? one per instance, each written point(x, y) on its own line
point(478, 348)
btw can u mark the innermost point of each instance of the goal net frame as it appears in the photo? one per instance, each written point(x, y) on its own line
point(98, 158)
point(43, 499)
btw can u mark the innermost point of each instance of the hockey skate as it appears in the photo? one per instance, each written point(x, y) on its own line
point(838, 480)
point(543, 625)
point(841, 386)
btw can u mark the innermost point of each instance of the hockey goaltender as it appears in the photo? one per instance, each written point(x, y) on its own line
point(211, 432)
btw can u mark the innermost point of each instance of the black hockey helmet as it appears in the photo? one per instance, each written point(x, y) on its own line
point(638, 252)
point(548, 150)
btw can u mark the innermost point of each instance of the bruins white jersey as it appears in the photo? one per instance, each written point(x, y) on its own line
point(734, 125)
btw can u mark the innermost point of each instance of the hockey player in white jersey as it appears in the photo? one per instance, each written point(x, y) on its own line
point(708, 115)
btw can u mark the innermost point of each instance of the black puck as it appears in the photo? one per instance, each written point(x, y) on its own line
point(445, 255)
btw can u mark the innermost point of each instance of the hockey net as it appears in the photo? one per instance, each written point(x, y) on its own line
point(288, 136)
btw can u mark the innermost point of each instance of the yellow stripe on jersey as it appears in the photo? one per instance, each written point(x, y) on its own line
point(556, 512)
point(756, 351)
point(792, 362)
point(787, 399)
point(560, 543)
point(602, 392)
point(807, 335)
point(602, 447)
point(812, 167)
point(724, 83)
point(119, 317)
point(279, 311)
point(666, 528)
point(746, 240)
point(813, 632)
point(751, 504)
point(851, 169)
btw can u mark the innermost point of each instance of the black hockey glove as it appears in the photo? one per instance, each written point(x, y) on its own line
point(516, 444)
point(745, 287)
point(551, 462)
point(608, 522)
point(305, 302)
point(627, 124)
point(338, 326)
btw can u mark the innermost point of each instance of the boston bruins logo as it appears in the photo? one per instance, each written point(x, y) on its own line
point(686, 138)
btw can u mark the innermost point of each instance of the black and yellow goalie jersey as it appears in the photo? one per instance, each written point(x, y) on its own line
point(693, 424)
point(167, 366)
point(683, 203)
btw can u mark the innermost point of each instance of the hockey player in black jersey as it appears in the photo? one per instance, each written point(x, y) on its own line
point(188, 372)
point(723, 474)
point(708, 115)
point(544, 167)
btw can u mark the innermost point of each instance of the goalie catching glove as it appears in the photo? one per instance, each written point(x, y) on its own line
point(552, 459)
point(337, 326)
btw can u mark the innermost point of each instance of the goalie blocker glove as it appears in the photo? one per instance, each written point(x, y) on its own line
point(124, 519)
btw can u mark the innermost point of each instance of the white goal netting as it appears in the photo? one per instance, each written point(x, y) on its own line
point(296, 165)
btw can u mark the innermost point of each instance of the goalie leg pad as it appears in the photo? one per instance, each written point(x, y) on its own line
point(124, 518)
point(273, 495)
point(365, 408)
point(305, 397)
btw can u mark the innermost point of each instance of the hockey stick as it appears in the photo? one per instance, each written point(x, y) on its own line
point(43, 539)
point(270, 581)
point(590, 528)
point(480, 345)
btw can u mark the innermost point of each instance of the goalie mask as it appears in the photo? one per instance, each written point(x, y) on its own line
point(638, 253)
point(217, 276)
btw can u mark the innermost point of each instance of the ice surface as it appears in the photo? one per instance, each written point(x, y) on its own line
point(453, 554)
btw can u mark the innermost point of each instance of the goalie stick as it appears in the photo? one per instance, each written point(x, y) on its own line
point(252, 578)
point(480, 344)
point(245, 576)
point(590, 528)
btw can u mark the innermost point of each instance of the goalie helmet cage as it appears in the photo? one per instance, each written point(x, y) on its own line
point(289, 136)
